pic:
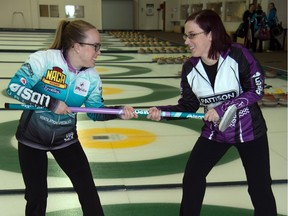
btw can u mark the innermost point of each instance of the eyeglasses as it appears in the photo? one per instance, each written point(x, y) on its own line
point(191, 35)
point(96, 46)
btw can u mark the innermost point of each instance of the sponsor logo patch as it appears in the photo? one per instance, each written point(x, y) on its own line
point(23, 81)
point(81, 87)
point(55, 77)
point(258, 82)
point(217, 98)
point(52, 90)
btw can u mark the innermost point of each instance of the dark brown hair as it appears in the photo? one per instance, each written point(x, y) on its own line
point(210, 21)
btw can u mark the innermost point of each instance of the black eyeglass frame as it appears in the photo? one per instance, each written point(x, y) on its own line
point(191, 35)
point(96, 46)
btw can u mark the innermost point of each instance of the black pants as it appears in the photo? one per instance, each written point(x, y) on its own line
point(274, 44)
point(255, 159)
point(254, 45)
point(73, 162)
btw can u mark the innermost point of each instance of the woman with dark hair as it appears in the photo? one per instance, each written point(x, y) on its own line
point(246, 18)
point(220, 74)
point(60, 77)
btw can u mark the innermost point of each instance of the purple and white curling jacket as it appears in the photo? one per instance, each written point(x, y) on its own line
point(239, 80)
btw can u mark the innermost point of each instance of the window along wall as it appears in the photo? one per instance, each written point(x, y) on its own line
point(147, 14)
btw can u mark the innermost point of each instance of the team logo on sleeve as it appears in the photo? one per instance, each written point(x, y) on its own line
point(23, 81)
point(27, 69)
point(55, 77)
point(259, 83)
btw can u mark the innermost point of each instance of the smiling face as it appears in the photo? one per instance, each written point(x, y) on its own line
point(87, 51)
point(200, 44)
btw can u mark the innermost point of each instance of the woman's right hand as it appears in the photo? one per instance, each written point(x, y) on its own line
point(62, 108)
point(154, 114)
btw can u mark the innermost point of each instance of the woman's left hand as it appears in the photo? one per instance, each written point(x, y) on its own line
point(128, 113)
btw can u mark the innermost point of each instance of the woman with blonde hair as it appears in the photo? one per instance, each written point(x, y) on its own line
point(60, 77)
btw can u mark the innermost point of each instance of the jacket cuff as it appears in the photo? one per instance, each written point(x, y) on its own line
point(53, 104)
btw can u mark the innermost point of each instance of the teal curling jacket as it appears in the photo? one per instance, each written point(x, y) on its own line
point(44, 80)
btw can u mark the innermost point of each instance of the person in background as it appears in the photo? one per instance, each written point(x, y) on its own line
point(60, 77)
point(272, 19)
point(220, 74)
point(259, 20)
point(246, 18)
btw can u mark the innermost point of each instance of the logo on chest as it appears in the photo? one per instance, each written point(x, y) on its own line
point(217, 98)
point(81, 87)
point(55, 77)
